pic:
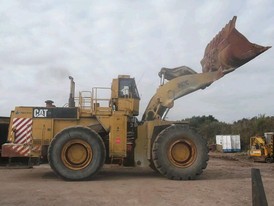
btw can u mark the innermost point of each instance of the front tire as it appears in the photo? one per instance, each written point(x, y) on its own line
point(180, 154)
point(76, 153)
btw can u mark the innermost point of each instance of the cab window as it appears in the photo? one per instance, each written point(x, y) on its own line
point(128, 89)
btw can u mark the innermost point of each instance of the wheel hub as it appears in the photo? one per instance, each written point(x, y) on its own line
point(182, 153)
point(76, 154)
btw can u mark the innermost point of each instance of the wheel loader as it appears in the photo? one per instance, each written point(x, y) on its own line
point(261, 148)
point(79, 140)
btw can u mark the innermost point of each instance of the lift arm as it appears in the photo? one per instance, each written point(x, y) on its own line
point(225, 53)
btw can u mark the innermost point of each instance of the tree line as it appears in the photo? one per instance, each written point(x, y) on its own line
point(209, 127)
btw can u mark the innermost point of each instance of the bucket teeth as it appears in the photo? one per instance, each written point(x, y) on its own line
point(229, 50)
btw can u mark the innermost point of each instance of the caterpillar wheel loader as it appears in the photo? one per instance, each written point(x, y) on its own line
point(79, 140)
point(261, 148)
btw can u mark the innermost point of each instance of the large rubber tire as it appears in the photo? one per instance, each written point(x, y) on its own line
point(76, 153)
point(180, 154)
point(269, 160)
point(152, 166)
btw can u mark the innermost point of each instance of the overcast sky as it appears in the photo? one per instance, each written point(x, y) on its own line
point(43, 42)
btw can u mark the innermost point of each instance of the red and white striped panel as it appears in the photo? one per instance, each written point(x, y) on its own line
point(23, 130)
point(21, 150)
point(36, 148)
point(15, 150)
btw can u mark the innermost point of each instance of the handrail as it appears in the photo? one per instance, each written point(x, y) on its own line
point(90, 100)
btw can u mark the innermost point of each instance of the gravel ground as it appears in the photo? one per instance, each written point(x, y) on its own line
point(226, 181)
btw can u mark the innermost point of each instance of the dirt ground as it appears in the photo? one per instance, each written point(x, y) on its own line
point(226, 181)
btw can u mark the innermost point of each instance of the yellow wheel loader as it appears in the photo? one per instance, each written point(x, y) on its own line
point(261, 148)
point(79, 140)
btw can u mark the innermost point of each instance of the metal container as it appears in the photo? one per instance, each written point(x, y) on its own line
point(230, 143)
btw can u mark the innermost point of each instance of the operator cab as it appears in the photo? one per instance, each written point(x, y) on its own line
point(124, 95)
point(128, 89)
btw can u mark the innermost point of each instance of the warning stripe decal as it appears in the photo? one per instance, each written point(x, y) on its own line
point(22, 128)
point(23, 131)
point(19, 150)
point(22, 145)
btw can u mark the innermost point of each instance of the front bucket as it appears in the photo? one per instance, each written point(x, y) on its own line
point(229, 50)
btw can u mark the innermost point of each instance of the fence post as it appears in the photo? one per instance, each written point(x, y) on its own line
point(258, 194)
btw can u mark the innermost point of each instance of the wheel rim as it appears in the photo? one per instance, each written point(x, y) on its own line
point(76, 154)
point(182, 153)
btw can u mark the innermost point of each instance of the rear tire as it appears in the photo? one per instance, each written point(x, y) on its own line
point(76, 153)
point(269, 160)
point(180, 154)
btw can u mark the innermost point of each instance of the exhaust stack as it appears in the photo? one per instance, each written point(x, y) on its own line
point(71, 102)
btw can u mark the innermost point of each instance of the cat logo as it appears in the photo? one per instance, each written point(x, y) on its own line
point(40, 113)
